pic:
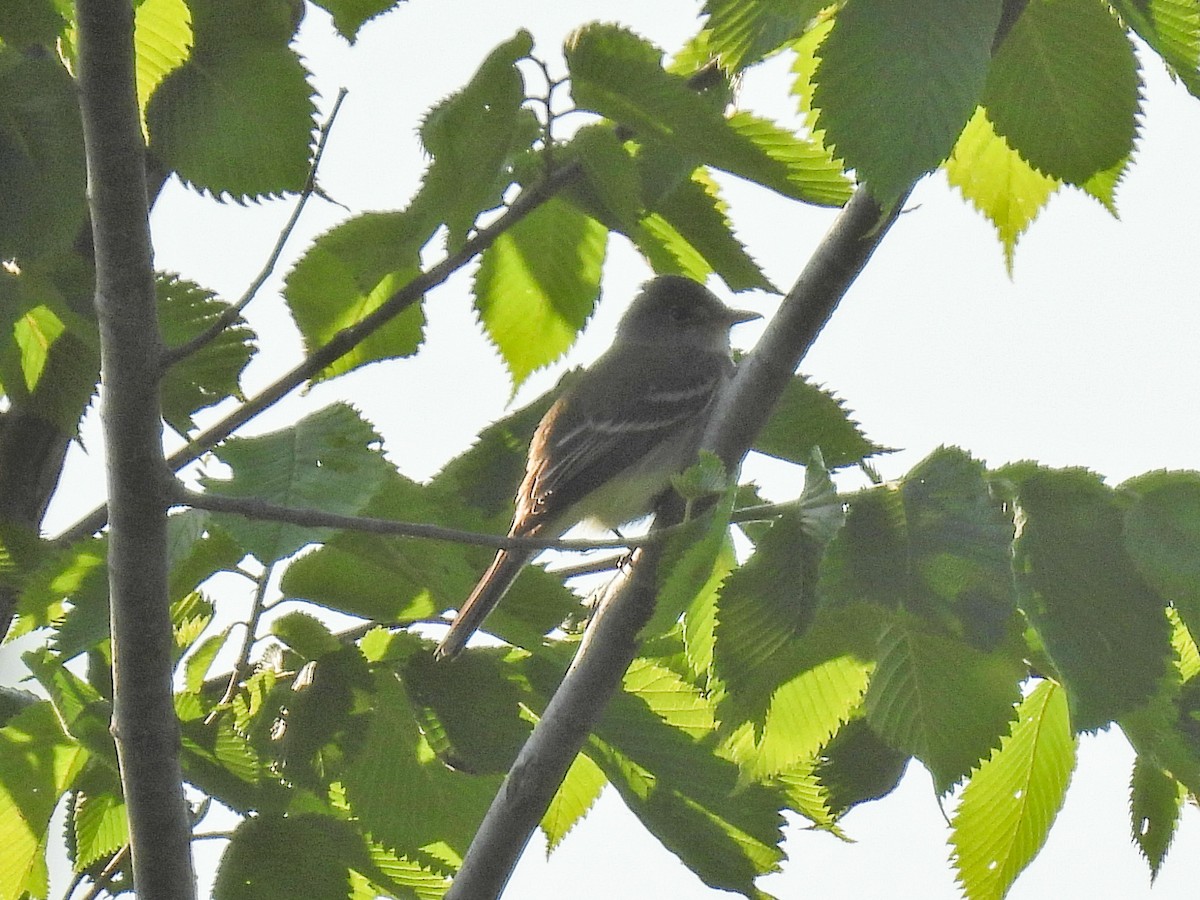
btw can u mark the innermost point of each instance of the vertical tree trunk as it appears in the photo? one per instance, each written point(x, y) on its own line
point(144, 722)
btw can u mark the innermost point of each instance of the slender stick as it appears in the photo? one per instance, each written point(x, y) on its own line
point(253, 508)
point(230, 315)
point(611, 641)
point(144, 723)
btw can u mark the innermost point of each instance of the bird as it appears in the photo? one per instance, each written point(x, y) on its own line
point(605, 451)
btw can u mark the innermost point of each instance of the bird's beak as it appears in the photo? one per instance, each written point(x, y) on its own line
point(738, 316)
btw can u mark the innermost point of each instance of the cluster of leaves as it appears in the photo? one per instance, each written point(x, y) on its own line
point(975, 621)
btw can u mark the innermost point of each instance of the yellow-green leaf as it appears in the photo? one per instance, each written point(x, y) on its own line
point(1010, 802)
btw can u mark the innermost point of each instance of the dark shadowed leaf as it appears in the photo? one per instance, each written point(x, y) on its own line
point(1105, 628)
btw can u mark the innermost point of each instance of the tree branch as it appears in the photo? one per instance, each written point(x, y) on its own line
point(230, 315)
point(611, 641)
point(144, 723)
point(348, 338)
point(254, 508)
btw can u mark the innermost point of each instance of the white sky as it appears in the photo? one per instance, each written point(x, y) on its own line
point(1087, 357)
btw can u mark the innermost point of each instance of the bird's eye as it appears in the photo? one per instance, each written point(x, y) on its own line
point(680, 313)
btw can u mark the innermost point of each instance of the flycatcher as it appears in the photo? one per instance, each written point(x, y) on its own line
point(606, 450)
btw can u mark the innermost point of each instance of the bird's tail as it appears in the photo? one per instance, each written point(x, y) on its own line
point(492, 586)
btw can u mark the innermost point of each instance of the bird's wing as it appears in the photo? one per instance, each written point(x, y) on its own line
point(620, 411)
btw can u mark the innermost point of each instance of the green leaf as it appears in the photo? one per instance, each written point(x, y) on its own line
point(807, 796)
point(939, 545)
point(101, 827)
point(857, 766)
point(26, 22)
point(47, 579)
point(42, 169)
point(808, 416)
point(474, 134)
point(1063, 89)
point(13, 700)
point(162, 40)
point(960, 545)
point(685, 796)
point(611, 189)
point(994, 178)
point(323, 720)
point(690, 222)
point(1172, 29)
point(795, 682)
point(618, 75)
point(809, 172)
point(742, 32)
point(349, 16)
point(272, 858)
point(1103, 185)
point(389, 579)
point(1162, 535)
point(218, 758)
point(804, 713)
point(1155, 803)
point(892, 109)
point(401, 875)
point(200, 660)
point(538, 283)
point(237, 117)
point(672, 698)
point(401, 791)
point(1010, 803)
point(196, 550)
point(210, 375)
point(35, 333)
point(469, 709)
point(764, 607)
point(328, 461)
point(82, 712)
point(575, 796)
point(1186, 648)
point(704, 478)
point(1164, 731)
point(1104, 627)
point(699, 622)
point(944, 702)
point(348, 273)
point(692, 561)
point(306, 634)
point(38, 763)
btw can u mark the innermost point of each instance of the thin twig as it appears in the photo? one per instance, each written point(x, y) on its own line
point(76, 881)
point(348, 338)
point(242, 665)
point(605, 563)
point(105, 878)
point(253, 508)
point(230, 314)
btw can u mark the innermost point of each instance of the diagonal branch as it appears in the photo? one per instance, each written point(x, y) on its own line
point(348, 338)
point(611, 641)
point(144, 722)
